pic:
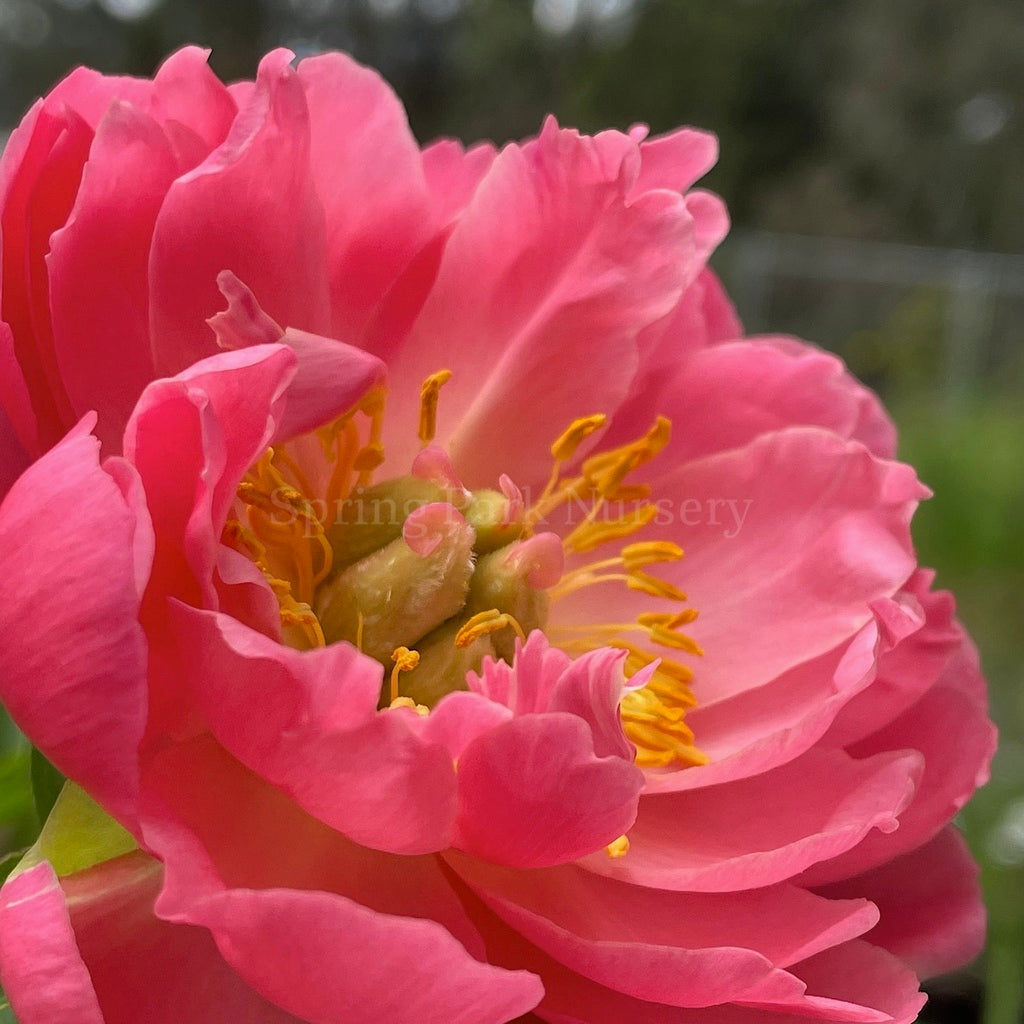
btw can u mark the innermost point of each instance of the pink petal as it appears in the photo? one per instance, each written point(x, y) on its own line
point(367, 171)
point(39, 193)
point(13, 457)
point(527, 684)
point(74, 668)
point(318, 735)
point(453, 174)
point(765, 385)
point(99, 269)
point(532, 793)
point(906, 671)
point(188, 92)
point(233, 202)
point(800, 522)
point(759, 729)
point(191, 438)
point(675, 948)
point(718, 839)
point(676, 160)
point(931, 935)
point(288, 935)
point(546, 242)
point(40, 966)
point(951, 774)
point(330, 378)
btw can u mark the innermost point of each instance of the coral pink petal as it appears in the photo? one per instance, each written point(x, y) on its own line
point(319, 736)
point(40, 966)
point(526, 685)
point(676, 160)
point(532, 793)
point(73, 674)
point(459, 718)
point(13, 457)
point(765, 385)
point(189, 93)
point(800, 522)
point(330, 378)
point(192, 437)
point(591, 688)
point(951, 774)
point(453, 173)
point(931, 934)
point(145, 969)
point(675, 948)
point(99, 269)
point(908, 669)
point(717, 839)
point(859, 974)
point(547, 240)
point(233, 202)
point(39, 195)
point(394, 923)
point(376, 220)
point(761, 728)
point(719, 315)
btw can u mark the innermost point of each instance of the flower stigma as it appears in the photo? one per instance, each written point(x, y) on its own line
point(429, 578)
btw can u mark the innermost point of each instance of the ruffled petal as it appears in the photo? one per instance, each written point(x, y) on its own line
point(318, 735)
point(233, 202)
point(718, 839)
point(368, 173)
point(532, 793)
point(565, 273)
point(932, 915)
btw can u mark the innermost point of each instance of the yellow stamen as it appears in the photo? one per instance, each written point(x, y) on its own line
point(429, 392)
point(575, 434)
point(407, 702)
point(483, 623)
point(618, 848)
point(405, 661)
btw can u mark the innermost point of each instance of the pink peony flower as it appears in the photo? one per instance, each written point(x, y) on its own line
point(379, 684)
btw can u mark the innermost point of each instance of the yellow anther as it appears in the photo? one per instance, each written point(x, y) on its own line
point(678, 641)
point(429, 392)
point(483, 623)
point(407, 702)
point(369, 458)
point(635, 556)
point(405, 661)
point(590, 535)
point(575, 434)
point(618, 848)
point(656, 588)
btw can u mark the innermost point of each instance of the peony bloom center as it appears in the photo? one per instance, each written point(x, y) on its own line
point(429, 578)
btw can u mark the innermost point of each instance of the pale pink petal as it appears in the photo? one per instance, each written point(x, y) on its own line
point(532, 793)
point(318, 735)
point(368, 173)
point(99, 269)
point(41, 968)
point(932, 916)
point(73, 672)
point(565, 273)
point(722, 838)
point(233, 202)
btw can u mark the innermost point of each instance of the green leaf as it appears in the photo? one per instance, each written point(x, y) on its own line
point(47, 783)
point(6, 1013)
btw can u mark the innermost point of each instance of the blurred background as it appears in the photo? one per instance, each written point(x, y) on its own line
point(873, 161)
